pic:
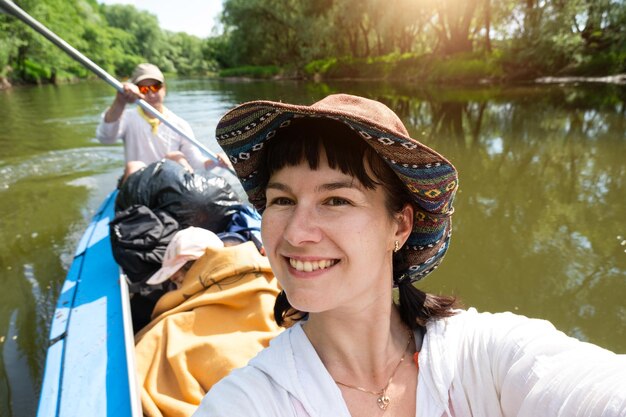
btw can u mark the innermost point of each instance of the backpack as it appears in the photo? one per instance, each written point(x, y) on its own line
point(245, 222)
point(139, 237)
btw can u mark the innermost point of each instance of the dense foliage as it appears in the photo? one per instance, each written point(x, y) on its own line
point(115, 37)
point(417, 39)
point(524, 38)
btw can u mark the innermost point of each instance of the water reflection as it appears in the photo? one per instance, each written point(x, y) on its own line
point(539, 227)
point(539, 214)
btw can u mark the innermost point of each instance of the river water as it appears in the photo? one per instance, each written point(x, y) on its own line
point(539, 228)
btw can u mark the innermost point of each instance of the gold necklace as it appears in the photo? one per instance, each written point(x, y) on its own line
point(383, 399)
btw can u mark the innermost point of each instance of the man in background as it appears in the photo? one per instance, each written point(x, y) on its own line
point(146, 140)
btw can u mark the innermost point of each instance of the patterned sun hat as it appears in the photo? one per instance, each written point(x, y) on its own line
point(431, 180)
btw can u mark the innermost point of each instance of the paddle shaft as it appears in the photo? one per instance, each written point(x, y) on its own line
point(13, 9)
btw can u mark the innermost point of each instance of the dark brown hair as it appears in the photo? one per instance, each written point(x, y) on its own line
point(303, 140)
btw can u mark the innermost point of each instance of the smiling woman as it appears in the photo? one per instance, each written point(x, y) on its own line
point(343, 201)
point(353, 206)
point(332, 212)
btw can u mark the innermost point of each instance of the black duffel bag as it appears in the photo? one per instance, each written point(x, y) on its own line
point(199, 199)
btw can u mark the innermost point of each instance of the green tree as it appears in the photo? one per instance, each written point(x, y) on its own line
point(544, 40)
point(8, 44)
point(34, 55)
point(115, 37)
point(454, 24)
point(145, 37)
point(217, 50)
point(266, 32)
point(186, 54)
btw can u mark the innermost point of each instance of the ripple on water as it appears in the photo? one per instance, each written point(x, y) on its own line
point(61, 162)
point(87, 119)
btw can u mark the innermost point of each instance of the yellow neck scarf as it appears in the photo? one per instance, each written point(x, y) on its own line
point(154, 122)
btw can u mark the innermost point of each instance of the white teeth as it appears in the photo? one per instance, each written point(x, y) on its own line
point(308, 266)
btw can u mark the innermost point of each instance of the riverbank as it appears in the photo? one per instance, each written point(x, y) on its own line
point(462, 69)
point(459, 69)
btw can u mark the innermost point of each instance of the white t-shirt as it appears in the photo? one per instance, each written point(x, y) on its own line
point(142, 144)
point(470, 365)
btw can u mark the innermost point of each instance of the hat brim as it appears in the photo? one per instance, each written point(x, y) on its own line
point(429, 177)
point(149, 76)
point(166, 272)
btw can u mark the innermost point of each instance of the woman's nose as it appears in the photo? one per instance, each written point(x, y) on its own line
point(302, 226)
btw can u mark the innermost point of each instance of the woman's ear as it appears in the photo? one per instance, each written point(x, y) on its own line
point(405, 223)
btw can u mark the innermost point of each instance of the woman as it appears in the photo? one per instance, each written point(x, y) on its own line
point(352, 206)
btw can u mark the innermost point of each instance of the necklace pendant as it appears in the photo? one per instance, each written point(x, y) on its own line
point(383, 401)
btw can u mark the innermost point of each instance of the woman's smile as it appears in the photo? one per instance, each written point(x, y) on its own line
point(311, 265)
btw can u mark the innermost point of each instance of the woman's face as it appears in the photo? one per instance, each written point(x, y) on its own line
point(329, 239)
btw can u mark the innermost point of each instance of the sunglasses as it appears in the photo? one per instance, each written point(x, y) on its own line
point(143, 89)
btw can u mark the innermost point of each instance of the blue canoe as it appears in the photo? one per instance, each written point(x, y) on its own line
point(90, 361)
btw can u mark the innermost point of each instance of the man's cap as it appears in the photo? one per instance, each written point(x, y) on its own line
point(147, 71)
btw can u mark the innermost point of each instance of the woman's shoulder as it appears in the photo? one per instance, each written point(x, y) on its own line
point(492, 332)
point(473, 321)
point(505, 334)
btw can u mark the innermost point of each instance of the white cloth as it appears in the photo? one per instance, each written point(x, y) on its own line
point(472, 364)
point(140, 144)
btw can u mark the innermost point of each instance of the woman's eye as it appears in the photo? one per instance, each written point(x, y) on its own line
point(337, 201)
point(281, 201)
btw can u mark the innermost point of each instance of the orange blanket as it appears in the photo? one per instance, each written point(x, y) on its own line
point(218, 320)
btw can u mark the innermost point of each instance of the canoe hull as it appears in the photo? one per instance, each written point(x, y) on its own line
point(91, 341)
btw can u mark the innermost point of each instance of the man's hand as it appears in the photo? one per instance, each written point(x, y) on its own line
point(224, 162)
point(129, 95)
point(178, 156)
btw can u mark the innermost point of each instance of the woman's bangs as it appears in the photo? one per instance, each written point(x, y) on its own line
point(308, 138)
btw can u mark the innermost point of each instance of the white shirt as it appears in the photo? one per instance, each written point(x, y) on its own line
point(142, 144)
point(472, 364)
